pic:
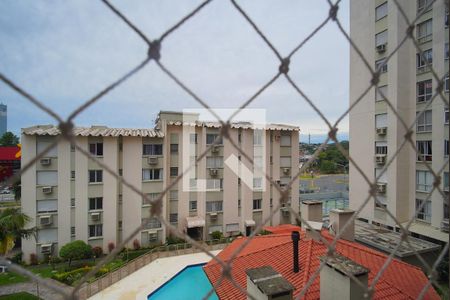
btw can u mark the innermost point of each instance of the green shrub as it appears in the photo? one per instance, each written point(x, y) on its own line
point(71, 277)
point(174, 240)
point(216, 235)
point(17, 258)
point(75, 250)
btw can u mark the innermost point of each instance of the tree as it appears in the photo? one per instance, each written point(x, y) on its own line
point(12, 227)
point(17, 190)
point(9, 139)
point(75, 250)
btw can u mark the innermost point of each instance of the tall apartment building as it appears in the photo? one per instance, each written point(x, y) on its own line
point(377, 27)
point(3, 118)
point(71, 197)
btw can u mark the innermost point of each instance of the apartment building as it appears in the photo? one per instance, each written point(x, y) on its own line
point(377, 27)
point(70, 197)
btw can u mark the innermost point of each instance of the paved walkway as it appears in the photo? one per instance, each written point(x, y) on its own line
point(32, 288)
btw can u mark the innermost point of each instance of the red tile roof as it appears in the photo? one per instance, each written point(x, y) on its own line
point(399, 281)
point(284, 228)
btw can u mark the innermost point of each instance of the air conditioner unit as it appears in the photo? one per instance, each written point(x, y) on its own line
point(286, 171)
point(381, 48)
point(47, 189)
point(213, 172)
point(46, 161)
point(152, 160)
point(444, 225)
point(46, 248)
point(215, 149)
point(381, 187)
point(382, 130)
point(95, 217)
point(45, 220)
point(380, 159)
point(213, 216)
point(152, 236)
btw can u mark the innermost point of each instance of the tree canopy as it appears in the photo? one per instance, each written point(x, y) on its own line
point(12, 227)
point(75, 250)
point(9, 139)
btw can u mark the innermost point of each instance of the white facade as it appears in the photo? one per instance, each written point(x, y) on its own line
point(71, 197)
point(377, 27)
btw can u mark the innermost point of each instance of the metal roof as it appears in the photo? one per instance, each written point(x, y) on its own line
point(236, 125)
point(94, 131)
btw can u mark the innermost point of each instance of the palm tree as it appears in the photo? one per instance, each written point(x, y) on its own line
point(12, 227)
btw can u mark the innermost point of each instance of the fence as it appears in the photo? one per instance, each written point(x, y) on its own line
point(154, 56)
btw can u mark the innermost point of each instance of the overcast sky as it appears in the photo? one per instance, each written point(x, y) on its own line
point(64, 52)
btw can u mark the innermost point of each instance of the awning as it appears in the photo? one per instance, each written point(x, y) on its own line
point(249, 223)
point(195, 222)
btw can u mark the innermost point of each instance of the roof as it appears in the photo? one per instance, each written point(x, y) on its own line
point(9, 153)
point(399, 281)
point(94, 131)
point(236, 125)
point(284, 228)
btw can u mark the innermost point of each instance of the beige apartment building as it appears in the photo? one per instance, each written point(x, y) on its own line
point(70, 197)
point(377, 27)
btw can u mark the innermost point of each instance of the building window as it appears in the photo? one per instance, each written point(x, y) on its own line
point(152, 197)
point(48, 178)
point(423, 59)
point(446, 51)
point(41, 145)
point(381, 148)
point(381, 93)
point(211, 137)
point(72, 202)
point(257, 183)
point(72, 147)
point(285, 161)
point(381, 38)
point(445, 211)
point(424, 181)
point(446, 84)
point(173, 195)
point(257, 204)
point(424, 151)
point(173, 218)
point(446, 148)
point(72, 175)
point(152, 174)
point(285, 140)
point(214, 184)
point(72, 231)
point(150, 223)
point(120, 172)
point(424, 123)
point(173, 171)
point(152, 149)
point(381, 65)
point(95, 203)
point(381, 120)
point(193, 138)
point(424, 4)
point(257, 137)
point(193, 205)
point(173, 148)
point(95, 176)
point(239, 203)
point(214, 206)
point(425, 31)
point(424, 90)
point(446, 116)
point(214, 162)
point(423, 212)
point(445, 181)
point(381, 11)
point(96, 149)
point(96, 230)
point(46, 206)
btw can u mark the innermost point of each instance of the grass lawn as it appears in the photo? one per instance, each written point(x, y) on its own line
point(19, 296)
point(11, 277)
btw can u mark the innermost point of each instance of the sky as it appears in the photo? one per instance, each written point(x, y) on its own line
point(65, 52)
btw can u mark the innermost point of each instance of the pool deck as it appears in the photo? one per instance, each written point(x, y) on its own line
point(147, 279)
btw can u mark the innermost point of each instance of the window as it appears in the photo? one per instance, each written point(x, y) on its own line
point(173, 171)
point(152, 174)
point(214, 206)
point(72, 202)
point(446, 148)
point(47, 235)
point(424, 181)
point(95, 203)
point(381, 148)
point(257, 137)
point(193, 138)
point(382, 177)
point(424, 123)
point(173, 218)
point(72, 148)
point(285, 161)
point(284, 181)
point(258, 162)
point(211, 137)
point(381, 38)
point(96, 149)
point(214, 184)
point(381, 93)
point(72, 231)
point(257, 183)
point(381, 11)
point(425, 31)
point(46, 206)
point(214, 162)
point(42, 145)
point(193, 205)
point(423, 212)
point(151, 198)
point(285, 140)
point(424, 4)
point(424, 151)
point(381, 121)
point(173, 195)
point(120, 172)
point(424, 59)
point(445, 211)
point(150, 223)
point(152, 149)
point(446, 51)
point(96, 230)
point(446, 180)
point(257, 204)
point(446, 84)
point(46, 178)
point(424, 90)
point(239, 203)
point(380, 65)
point(173, 148)
point(95, 176)
point(446, 116)
point(232, 227)
point(72, 175)
point(214, 228)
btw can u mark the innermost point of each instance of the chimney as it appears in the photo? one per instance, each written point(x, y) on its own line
point(295, 235)
point(336, 281)
point(338, 219)
point(311, 210)
point(264, 283)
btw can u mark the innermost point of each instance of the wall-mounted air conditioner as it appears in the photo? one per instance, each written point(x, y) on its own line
point(152, 160)
point(215, 149)
point(381, 187)
point(286, 171)
point(45, 161)
point(46, 248)
point(45, 220)
point(380, 159)
point(213, 172)
point(381, 48)
point(47, 189)
point(381, 130)
point(95, 216)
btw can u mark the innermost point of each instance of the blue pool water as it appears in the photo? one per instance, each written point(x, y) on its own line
point(190, 283)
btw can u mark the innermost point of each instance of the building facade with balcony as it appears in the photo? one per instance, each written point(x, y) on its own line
point(71, 197)
point(377, 27)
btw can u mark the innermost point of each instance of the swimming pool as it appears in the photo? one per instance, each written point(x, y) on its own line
point(190, 283)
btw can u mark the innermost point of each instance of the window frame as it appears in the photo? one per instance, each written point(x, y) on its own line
point(423, 36)
point(421, 124)
point(151, 174)
point(214, 206)
point(97, 203)
point(380, 62)
point(257, 204)
point(173, 148)
point(152, 149)
point(173, 171)
point(427, 91)
point(378, 8)
point(193, 205)
point(427, 184)
point(384, 40)
point(210, 141)
point(95, 231)
point(95, 176)
point(96, 149)
point(424, 150)
point(384, 89)
point(424, 60)
point(424, 214)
